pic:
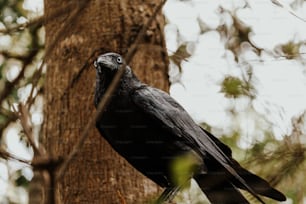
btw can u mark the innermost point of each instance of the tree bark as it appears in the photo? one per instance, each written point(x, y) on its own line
point(97, 174)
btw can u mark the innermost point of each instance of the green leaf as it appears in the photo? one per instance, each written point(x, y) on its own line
point(183, 168)
point(234, 87)
point(22, 181)
point(291, 50)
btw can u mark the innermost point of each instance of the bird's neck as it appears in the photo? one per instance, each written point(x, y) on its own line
point(128, 81)
point(102, 83)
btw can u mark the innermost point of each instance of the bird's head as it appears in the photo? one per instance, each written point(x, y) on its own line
point(108, 62)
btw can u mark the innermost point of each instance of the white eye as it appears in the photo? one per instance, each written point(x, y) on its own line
point(119, 60)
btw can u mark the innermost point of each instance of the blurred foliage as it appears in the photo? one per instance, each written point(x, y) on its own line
point(21, 51)
point(181, 54)
point(281, 162)
point(182, 168)
point(235, 35)
point(21, 180)
point(233, 87)
point(289, 50)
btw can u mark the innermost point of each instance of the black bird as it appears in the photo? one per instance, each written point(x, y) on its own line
point(157, 136)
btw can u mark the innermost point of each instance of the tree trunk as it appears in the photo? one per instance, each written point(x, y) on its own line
point(97, 174)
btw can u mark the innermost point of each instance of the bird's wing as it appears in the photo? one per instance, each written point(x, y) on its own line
point(160, 106)
point(225, 149)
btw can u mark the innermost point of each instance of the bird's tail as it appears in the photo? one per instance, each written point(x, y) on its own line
point(221, 188)
point(259, 185)
point(220, 185)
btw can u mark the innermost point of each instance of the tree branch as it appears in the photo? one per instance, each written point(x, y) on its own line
point(6, 155)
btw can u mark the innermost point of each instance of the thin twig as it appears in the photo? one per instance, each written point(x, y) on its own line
point(6, 155)
point(39, 163)
point(26, 124)
point(106, 98)
point(287, 8)
point(8, 114)
point(77, 76)
point(8, 54)
point(9, 117)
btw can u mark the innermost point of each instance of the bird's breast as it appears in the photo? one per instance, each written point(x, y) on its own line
point(140, 139)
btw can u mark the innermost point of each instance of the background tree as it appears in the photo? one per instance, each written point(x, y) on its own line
point(97, 174)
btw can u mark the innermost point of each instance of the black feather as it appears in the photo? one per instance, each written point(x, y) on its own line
point(151, 130)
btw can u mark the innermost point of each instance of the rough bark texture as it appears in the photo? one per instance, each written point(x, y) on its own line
point(97, 174)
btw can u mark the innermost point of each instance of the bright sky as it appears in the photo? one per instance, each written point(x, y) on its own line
point(34, 5)
point(280, 83)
